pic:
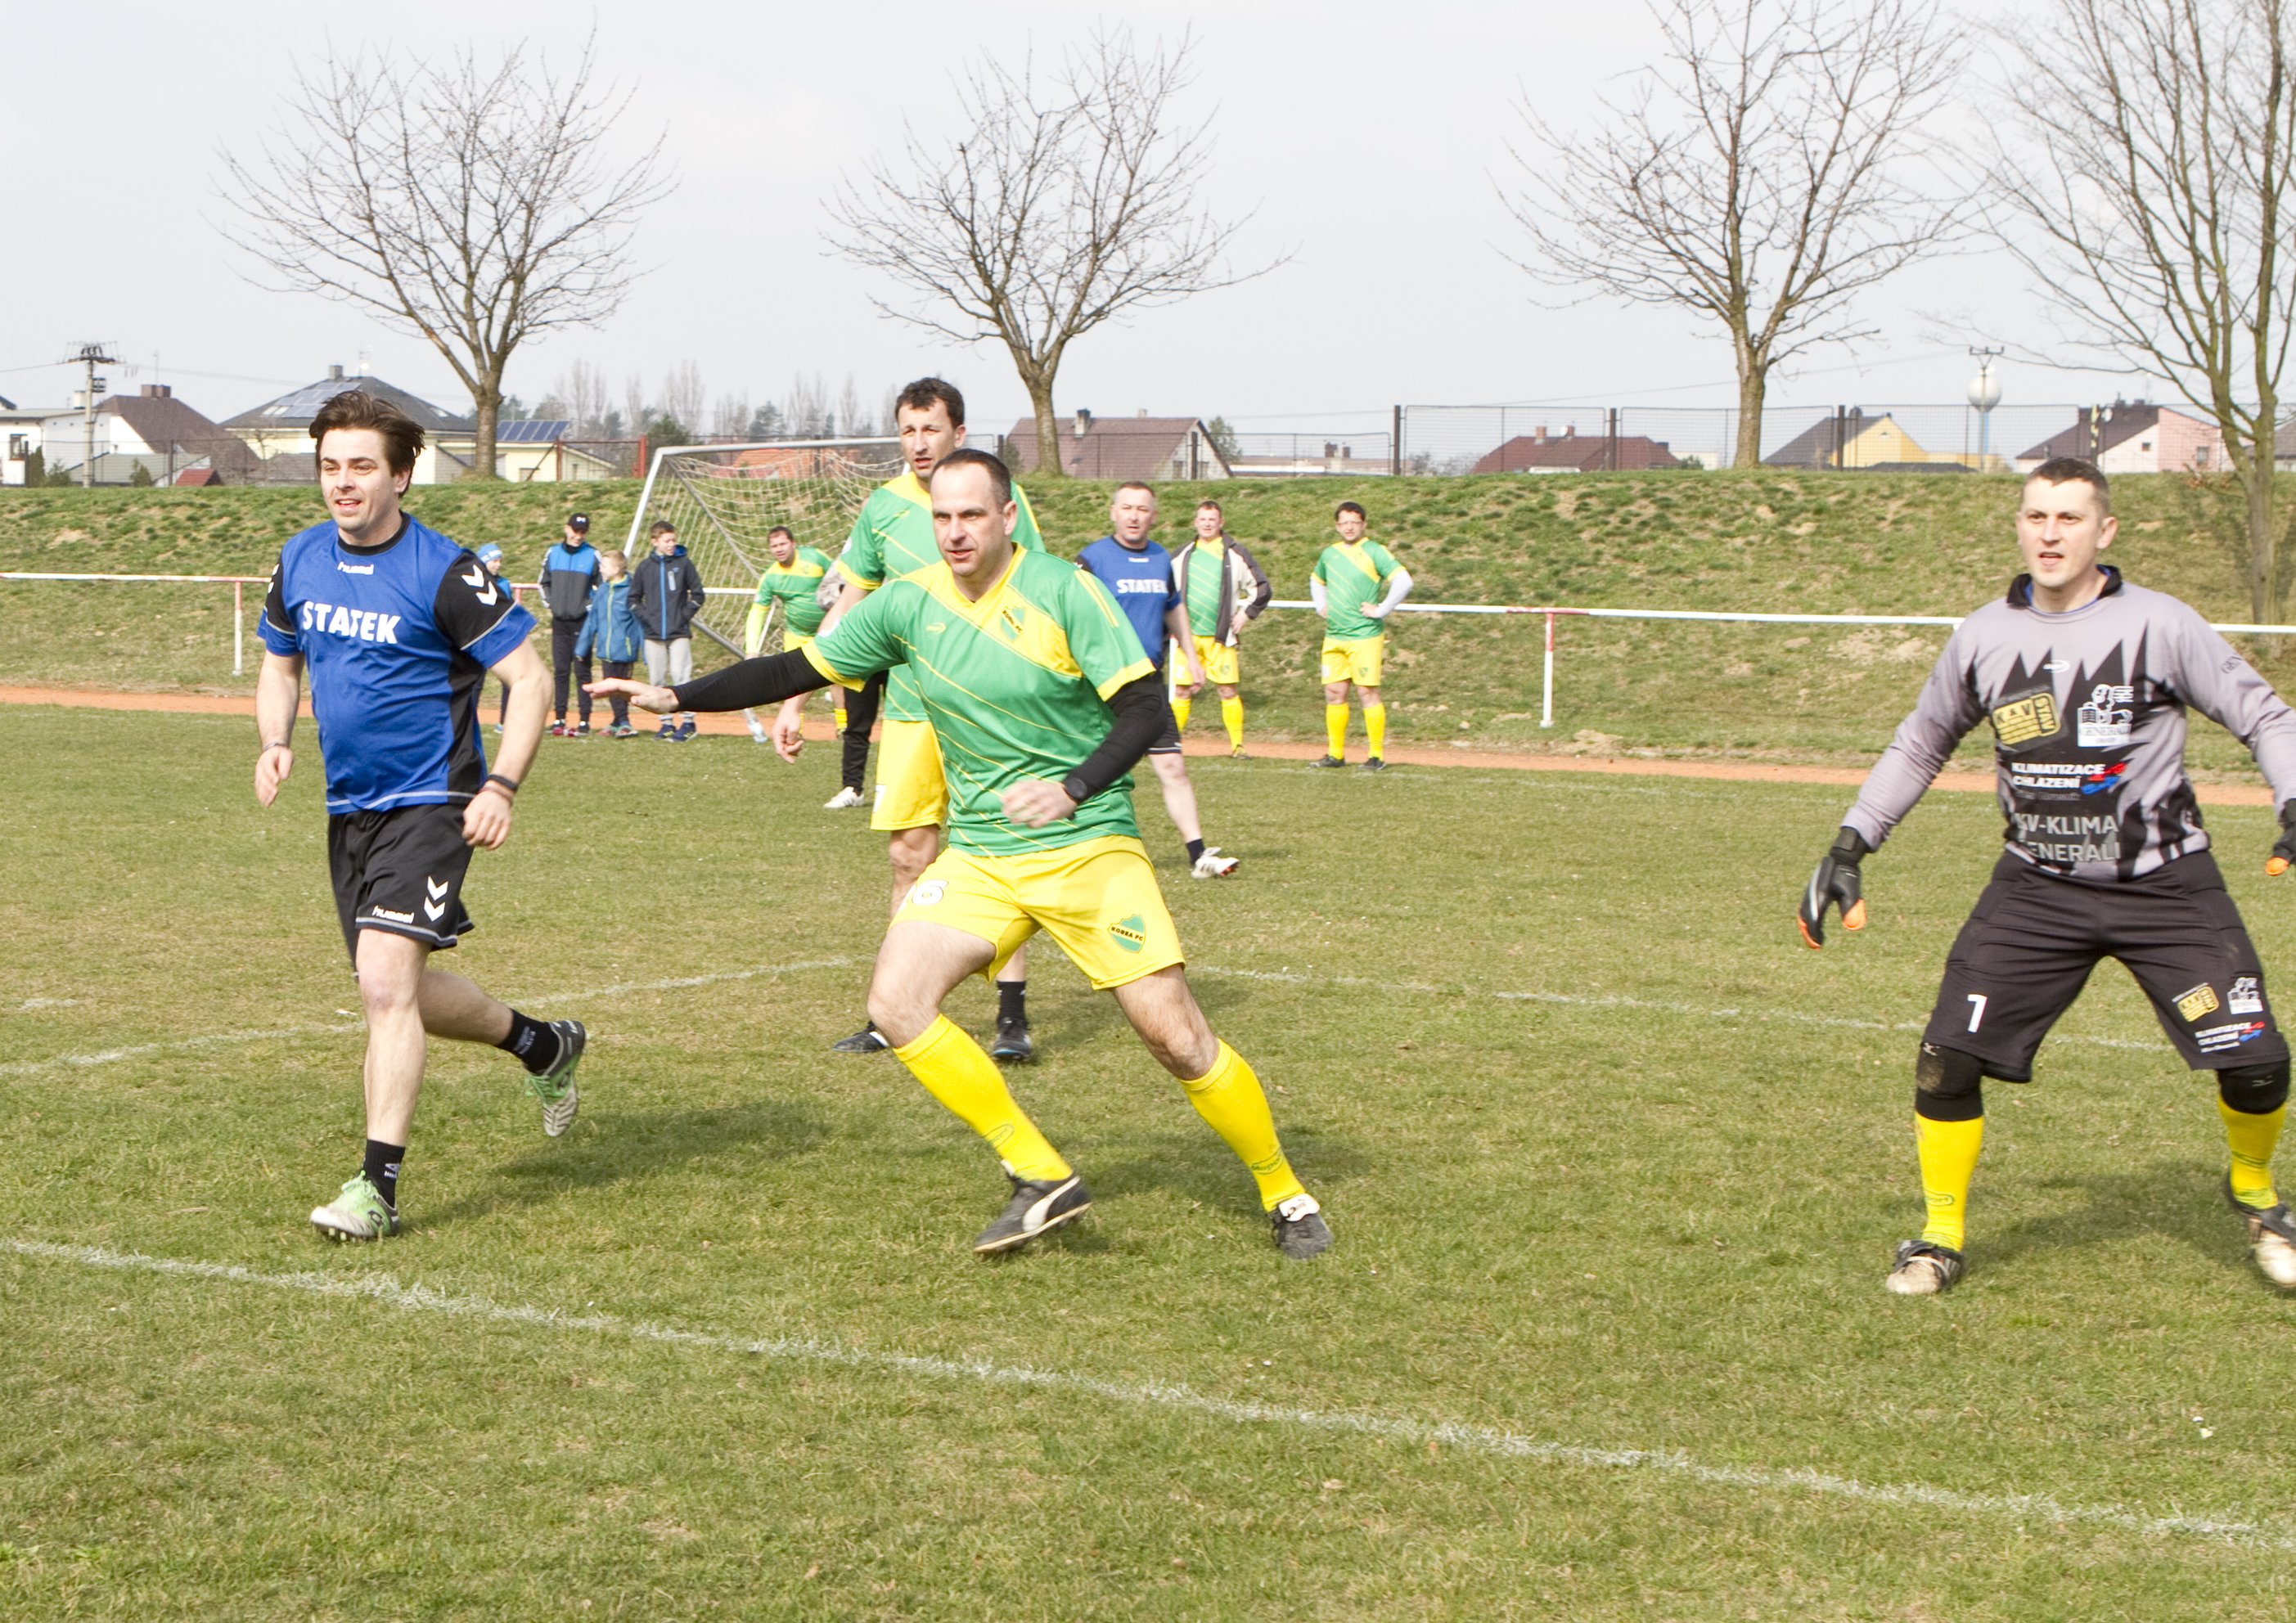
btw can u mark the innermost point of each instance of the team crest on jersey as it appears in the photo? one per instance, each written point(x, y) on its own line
point(1010, 617)
point(2198, 1003)
point(1131, 934)
point(2021, 721)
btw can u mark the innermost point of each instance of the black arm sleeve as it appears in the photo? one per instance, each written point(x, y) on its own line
point(768, 679)
point(1140, 719)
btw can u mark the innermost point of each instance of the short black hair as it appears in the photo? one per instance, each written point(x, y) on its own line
point(2074, 470)
point(1354, 507)
point(926, 393)
point(965, 456)
point(780, 529)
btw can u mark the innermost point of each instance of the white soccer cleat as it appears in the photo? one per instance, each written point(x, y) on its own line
point(2271, 1238)
point(844, 800)
point(758, 733)
point(1212, 864)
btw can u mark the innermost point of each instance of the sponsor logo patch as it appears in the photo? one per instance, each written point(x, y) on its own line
point(2200, 1001)
point(2216, 1039)
point(2104, 778)
point(2021, 721)
point(2246, 996)
point(2105, 721)
point(1130, 934)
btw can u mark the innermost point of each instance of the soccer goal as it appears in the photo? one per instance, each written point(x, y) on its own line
point(725, 499)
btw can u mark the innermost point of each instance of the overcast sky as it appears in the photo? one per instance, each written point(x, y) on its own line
point(1369, 139)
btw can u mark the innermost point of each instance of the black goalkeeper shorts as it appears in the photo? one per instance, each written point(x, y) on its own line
point(400, 871)
point(2033, 938)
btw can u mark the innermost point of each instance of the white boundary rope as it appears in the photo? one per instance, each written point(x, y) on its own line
point(1549, 612)
point(1489, 1440)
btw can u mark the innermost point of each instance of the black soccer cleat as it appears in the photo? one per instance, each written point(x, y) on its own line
point(1924, 1269)
point(1330, 762)
point(1012, 1042)
point(1036, 1205)
point(867, 1040)
point(1301, 1231)
point(1374, 763)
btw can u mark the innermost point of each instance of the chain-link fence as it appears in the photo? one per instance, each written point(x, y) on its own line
point(1876, 438)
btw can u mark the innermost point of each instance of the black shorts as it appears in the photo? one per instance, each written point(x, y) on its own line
point(400, 871)
point(1168, 741)
point(2033, 938)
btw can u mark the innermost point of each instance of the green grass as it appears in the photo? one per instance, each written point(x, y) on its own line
point(1649, 1212)
point(1839, 544)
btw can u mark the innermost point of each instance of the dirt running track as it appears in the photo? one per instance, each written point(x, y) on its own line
point(1757, 772)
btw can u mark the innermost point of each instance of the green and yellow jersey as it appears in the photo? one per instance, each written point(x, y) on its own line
point(1015, 687)
point(1354, 573)
point(1204, 587)
point(796, 586)
point(893, 538)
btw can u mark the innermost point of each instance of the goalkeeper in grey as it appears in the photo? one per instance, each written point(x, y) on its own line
point(2085, 680)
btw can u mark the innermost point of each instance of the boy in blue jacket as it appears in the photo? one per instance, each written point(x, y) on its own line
point(610, 631)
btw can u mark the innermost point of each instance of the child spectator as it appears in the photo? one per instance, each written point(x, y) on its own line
point(666, 594)
point(610, 632)
point(491, 557)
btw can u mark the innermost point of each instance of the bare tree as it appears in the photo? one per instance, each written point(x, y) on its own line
point(808, 411)
point(2145, 183)
point(473, 204)
point(1760, 175)
point(1058, 208)
point(730, 416)
point(682, 396)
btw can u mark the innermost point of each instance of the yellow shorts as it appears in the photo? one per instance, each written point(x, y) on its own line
point(1353, 659)
point(791, 641)
point(910, 791)
point(1218, 661)
point(1098, 900)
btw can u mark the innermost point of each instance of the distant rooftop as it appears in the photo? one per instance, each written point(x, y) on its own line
point(296, 410)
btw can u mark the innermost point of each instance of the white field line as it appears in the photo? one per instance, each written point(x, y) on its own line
point(112, 1056)
point(1618, 1001)
point(2020, 1508)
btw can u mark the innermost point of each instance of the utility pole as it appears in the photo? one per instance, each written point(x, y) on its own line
point(91, 357)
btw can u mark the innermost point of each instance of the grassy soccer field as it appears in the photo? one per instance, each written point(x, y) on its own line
point(1614, 1165)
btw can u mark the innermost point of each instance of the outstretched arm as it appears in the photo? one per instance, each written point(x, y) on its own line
point(1947, 710)
point(768, 679)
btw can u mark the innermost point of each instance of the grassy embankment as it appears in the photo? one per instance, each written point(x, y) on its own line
point(1866, 543)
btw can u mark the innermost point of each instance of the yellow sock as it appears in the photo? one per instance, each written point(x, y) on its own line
point(2252, 1138)
point(1229, 1097)
point(953, 1070)
point(1180, 708)
point(1948, 1157)
point(1232, 718)
point(1335, 727)
point(1375, 727)
point(841, 718)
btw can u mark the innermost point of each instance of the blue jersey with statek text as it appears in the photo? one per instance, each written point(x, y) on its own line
point(398, 638)
point(1143, 585)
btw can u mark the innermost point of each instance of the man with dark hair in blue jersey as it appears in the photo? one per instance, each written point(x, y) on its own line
point(1139, 572)
point(398, 626)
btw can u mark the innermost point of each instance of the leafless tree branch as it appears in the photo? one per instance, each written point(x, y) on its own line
point(476, 205)
point(1062, 206)
point(1761, 174)
point(2142, 179)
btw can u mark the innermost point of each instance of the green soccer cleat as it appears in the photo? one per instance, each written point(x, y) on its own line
point(358, 1213)
point(555, 1086)
point(1301, 1231)
point(1035, 1208)
point(1924, 1269)
point(2271, 1238)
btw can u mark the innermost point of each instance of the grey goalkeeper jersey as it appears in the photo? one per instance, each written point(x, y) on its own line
point(2087, 710)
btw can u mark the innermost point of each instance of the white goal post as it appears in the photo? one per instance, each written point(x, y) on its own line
point(725, 499)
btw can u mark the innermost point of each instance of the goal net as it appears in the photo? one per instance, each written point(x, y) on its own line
point(724, 499)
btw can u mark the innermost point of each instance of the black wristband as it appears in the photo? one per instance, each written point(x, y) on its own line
point(509, 783)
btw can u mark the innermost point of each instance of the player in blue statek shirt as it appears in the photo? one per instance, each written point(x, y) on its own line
point(1139, 573)
point(397, 626)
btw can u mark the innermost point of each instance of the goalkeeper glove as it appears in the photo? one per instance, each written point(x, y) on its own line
point(2283, 849)
point(1837, 881)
